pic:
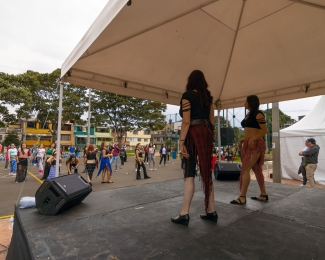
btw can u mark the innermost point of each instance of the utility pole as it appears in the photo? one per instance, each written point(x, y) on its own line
point(58, 140)
point(89, 106)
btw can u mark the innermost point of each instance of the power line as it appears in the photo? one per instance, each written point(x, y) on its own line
point(12, 67)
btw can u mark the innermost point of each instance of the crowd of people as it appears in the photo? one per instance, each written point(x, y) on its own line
point(105, 158)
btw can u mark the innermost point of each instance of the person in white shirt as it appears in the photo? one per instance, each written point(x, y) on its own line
point(40, 157)
point(163, 154)
point(152, 157)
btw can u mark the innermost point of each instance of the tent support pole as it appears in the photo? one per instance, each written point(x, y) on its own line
point(277, 174)
point(89, 114)
point(58, 141)
point(219, 136)
point(218, 104)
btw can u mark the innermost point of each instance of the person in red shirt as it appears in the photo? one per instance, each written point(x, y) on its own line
point(115, 152)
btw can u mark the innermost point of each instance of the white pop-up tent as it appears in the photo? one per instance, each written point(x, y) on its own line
point(271, 48)
point(292, 141)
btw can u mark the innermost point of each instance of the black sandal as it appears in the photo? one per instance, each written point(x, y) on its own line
point(239, 202)
point(262, 197)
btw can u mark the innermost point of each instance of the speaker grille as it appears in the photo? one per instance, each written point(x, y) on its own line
point(227, 136)
point(59, 205)
point(43, 187)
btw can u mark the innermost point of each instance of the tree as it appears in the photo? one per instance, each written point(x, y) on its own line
point(11, 138)
point(125, 114)
point(238, 134)
point(11, 94)
point(283, 120)
point(43, 88)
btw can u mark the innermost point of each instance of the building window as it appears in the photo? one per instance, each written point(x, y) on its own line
point(45, 138)
point(0, 137)
point(128, 139)
point(31, 124)
point(43, 125)
point(147, 132)
point(135, 132)
point(145, 140)
point(79, 128)
point(31, 137)
point(102, 130)
point(66, 137)
point(139, 139)
point(101, 139)
point(66, 127)
point(133, 139)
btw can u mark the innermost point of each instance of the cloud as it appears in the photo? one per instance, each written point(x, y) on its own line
point(39, 35)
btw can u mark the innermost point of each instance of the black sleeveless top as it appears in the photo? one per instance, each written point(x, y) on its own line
point(139, 153)
point(91, 156)
point(106, 150)
point(251, 120)
point(197, 112)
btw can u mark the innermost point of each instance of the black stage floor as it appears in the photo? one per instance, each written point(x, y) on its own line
point(134, 223)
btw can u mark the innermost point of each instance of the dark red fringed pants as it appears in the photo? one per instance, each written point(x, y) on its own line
point(199, 144)
point(253, 156)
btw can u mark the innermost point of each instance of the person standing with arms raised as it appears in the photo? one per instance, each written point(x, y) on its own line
point(252, 148)
point(196, 143)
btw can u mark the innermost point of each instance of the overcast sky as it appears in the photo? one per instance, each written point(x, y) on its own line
point(40, 34)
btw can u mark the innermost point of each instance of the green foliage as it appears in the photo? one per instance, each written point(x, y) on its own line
point(283, 119)
point(38, 93)
point(125, 114)
point(13, 94)
point(11, 138)
point(239, 134)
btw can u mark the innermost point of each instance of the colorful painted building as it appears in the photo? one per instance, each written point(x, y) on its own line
point(81, 135)
point(67, 136)
point(135, 137)
point(103, 133)
point(32, 131)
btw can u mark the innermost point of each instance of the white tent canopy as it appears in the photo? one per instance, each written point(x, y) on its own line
point(292, 141)
point(271, 48)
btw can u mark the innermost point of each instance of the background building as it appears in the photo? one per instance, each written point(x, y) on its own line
point(67, 136)
point(81, 135)
point(135, 137)
point(32, 130)
point(103, 133)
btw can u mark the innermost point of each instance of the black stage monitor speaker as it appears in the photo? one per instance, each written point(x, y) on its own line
point(227, 136)
point(59, 194)
point(227, 171)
